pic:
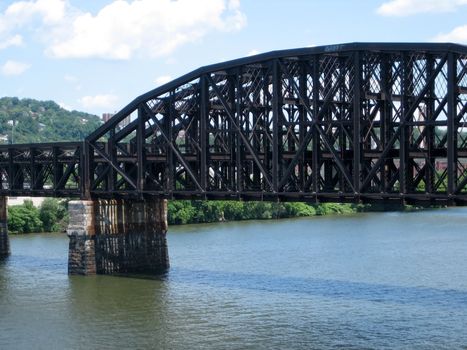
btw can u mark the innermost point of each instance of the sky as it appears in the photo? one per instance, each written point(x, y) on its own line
point(98, 55)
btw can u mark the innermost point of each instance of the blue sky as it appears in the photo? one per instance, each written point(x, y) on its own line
point(98, 55)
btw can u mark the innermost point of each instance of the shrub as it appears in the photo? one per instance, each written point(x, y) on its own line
point(24, 218)
point(53, 214)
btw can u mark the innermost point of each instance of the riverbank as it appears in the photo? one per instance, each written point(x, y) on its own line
point(52, 214)
point(195, 211)
point(182, 212)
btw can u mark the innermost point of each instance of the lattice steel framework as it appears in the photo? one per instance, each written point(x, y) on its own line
point(47, 169)
point(351, 122)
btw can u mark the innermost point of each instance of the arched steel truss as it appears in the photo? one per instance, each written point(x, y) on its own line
point(351, 122)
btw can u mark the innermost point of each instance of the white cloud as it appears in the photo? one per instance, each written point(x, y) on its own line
point(20, 12)
point(147, 27)
point(121, 29)
point(14, 68)
point(457, 35)
point(37, 16)
point(16, 40)
point(410, 7)
point(162, 80)
point(99, 101)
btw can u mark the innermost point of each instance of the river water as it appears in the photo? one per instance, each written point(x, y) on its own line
point(373, 281)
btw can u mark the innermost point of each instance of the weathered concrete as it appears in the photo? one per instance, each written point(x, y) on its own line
point(81, 231)
point(4, 241)
point(118, 236)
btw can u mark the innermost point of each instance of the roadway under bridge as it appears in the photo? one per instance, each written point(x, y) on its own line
point(357, 122)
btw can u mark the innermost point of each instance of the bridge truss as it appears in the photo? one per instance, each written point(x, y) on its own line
point(351, 122)
point(43, 169)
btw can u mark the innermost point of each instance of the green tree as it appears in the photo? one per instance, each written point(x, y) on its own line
point(52, 213)
point(233, 210)
point(335, 208)
point(180, 212)
point(195, 211)
point(299, 209)
point(207, 211)
point(43, 121)
point(24, 218)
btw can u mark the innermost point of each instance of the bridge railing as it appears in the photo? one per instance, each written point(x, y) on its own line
point(344, 122)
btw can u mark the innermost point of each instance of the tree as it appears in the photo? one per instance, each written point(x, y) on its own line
point(299, 209)
point(52, 213)
point(43, 121)
point(24, 218)
point(180, 212)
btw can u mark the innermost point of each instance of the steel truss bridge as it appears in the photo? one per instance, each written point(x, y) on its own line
point(356, 122)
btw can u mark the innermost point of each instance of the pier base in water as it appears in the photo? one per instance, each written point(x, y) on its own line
point(118, 237)
point(4, 241)
point(81, 231)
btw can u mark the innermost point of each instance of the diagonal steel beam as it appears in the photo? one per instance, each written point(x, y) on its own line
point(65, 176)
point(314, 124)
point(172, 147)
point(114, 165)
point(100, 177)
point(404, 118)
point(242, 136)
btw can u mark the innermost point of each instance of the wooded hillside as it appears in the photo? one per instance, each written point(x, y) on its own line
point(42, 121)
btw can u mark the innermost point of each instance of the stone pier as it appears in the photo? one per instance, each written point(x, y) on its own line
point(118, 237)
point(4, 241)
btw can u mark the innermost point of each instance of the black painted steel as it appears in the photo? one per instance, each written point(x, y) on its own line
point(356, 122)
point(45, 169)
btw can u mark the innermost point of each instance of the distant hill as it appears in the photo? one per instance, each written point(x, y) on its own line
point(42, 121)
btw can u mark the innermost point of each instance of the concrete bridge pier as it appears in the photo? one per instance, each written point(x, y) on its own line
point(4, 241)
point(118, 236)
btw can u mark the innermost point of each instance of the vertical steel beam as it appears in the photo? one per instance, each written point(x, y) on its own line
point(315, 136)
point(58, 167)
point(302, 117)
point(12, 170)
point(276, 105)
point(111, 151)
point(169, 117)
point(238, 141)
point(140, 151)
point(203, 132)
point(329, 85)
point(386, 116)
point(404, 131)
point(340, 110)
point(452, 125)
point(32, 164)
point(231, 132)
point(87, 158)
point(357, 110)
point(430, 129)
point(55, 169)
point(265, 130)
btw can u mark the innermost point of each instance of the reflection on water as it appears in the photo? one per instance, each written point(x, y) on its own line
point(388, 280)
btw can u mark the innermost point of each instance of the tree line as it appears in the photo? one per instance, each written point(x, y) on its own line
point(197, 211)
point(52, 214)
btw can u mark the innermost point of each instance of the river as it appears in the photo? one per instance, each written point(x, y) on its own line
point(373, 281)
